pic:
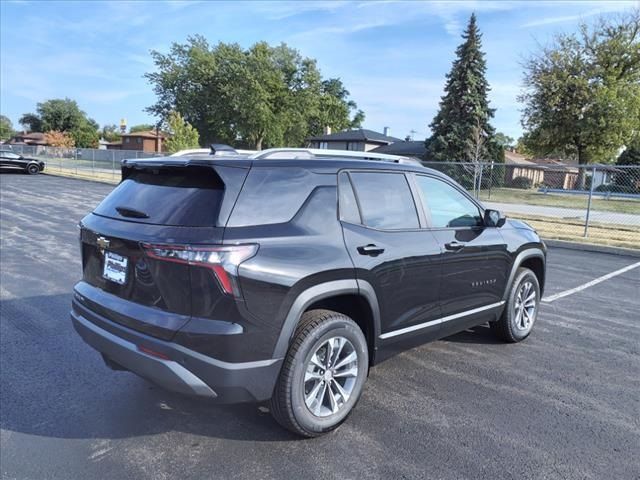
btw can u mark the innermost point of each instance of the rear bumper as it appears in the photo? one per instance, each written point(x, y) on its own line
point(178, 368)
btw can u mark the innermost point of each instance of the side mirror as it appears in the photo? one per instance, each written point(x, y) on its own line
point(494, 218)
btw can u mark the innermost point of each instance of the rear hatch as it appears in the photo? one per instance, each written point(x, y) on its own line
point(140, 244)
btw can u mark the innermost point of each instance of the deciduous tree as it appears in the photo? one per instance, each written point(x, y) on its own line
point(182, 134)
point(56, 138)
point(143, 127)
point(6, 128)
point(31, 122)
point(111, 133)
point(262, 96)
point(582, 92)
point(63, 115)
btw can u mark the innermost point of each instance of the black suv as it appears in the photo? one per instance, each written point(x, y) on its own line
point(244, 279)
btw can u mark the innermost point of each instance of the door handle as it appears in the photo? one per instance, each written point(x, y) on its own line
point(454, 246)
point(371, 249)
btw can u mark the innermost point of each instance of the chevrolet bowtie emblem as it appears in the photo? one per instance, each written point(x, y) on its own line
point(102, 243)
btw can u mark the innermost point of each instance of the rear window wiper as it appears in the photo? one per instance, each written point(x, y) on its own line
point(131, 212)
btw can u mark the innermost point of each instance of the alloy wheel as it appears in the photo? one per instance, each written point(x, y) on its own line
point(330, 376)
point(525, 306)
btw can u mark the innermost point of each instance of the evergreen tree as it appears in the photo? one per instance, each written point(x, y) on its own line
point(461, 131)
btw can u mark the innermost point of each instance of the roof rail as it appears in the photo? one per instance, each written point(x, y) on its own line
point(297, 153)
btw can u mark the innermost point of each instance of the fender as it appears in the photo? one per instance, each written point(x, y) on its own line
point(320, 292)
point(522, 256)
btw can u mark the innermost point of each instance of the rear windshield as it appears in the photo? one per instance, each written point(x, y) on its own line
point(183, 196)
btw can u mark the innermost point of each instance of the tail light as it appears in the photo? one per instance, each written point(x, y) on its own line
point(223, 261)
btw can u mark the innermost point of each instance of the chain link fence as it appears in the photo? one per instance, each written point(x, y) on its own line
point(90, 163)
point(598, 203)
point(594, 203)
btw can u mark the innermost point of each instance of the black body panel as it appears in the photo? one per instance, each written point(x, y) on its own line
point(410, 285)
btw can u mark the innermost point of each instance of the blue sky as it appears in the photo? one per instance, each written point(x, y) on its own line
point(391, 55)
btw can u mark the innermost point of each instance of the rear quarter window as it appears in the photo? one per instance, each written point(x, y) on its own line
point(274, 195)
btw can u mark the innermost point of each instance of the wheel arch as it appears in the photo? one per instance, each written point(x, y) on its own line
point(532, 258)
point(356, 299)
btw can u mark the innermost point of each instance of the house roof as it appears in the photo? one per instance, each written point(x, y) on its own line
point(413, 148)
point(33, 138)
point(516, 158)
point(358, 135)
point(144, 134)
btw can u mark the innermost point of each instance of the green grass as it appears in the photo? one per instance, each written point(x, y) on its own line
point(533, 197)
point(599, 234)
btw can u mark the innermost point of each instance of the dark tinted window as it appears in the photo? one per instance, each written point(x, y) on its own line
point(348, 206)
point(167, 196)
point(385, 200)
point(272, 195)
point(448, 206)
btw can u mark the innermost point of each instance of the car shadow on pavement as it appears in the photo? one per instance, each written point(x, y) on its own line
point(12, 171)
point(481, 334)
point(52, 384)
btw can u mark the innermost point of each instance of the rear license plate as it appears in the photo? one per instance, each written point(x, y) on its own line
point(115, 268)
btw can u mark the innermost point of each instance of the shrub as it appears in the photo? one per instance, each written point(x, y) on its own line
point(522, 182)
point(613, 188)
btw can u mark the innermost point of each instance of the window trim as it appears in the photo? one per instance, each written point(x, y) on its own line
point(424, 204)
point(419, 213)
point(355, 196)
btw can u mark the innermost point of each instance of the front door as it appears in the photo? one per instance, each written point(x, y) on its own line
point(474, 257)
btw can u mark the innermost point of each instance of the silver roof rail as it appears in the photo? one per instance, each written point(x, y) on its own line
point(310, 153)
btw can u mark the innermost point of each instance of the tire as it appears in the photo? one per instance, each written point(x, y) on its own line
point(516, 322)
point(318, 331)
point(33, 169)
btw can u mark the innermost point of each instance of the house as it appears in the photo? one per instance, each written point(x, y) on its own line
point(146, 141)
point(24, 138)
point(360, 140)
point(558, 173)
point(518, 165)
point(405, 148)
point(604, 175)
point(548, 172)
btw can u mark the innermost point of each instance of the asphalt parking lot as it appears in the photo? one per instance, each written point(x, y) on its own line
point(564, 404)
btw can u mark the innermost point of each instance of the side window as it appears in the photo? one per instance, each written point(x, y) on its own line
point(385, 200)
point(348, 205)
point(448, 206)
point(272, 195)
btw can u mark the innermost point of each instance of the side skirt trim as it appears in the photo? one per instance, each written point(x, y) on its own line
point(448, 318)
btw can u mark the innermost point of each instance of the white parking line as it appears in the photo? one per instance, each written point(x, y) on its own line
point(598, 280)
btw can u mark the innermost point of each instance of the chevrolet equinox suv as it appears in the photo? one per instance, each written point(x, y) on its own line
point(246, 280)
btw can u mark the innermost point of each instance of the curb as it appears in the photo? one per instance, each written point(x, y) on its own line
point(589, 247)
point(87, 178)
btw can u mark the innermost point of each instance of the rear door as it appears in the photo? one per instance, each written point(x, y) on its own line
point(383, 235)
point(474, 258)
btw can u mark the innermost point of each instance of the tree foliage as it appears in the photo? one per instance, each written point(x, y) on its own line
point(631, 154)
point(263, 96)
point(86, 135)
point(182, 134)
point(63, 115)
point(582, 92)
point(31, 122)
point(143, 127)
point(505, 141)
point(56, 138)
point(461, 130)
point(6, 128)
point(111, 133)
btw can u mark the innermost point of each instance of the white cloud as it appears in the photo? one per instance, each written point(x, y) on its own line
point(597, 8)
